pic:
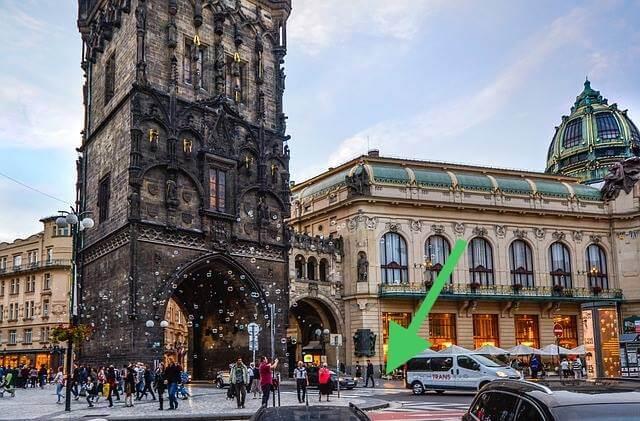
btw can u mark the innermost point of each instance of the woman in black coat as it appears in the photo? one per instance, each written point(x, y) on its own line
point(160, 383)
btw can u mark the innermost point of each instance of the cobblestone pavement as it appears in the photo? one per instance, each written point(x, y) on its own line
point(37, 404)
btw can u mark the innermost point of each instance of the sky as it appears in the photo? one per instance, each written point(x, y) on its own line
point(475, 82)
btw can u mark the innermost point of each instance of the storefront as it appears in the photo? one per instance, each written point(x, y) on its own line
point(485, 330)
point(442, 330)
point(569, 338)
point(403, 319)
point(527, 330)
point(32, 358)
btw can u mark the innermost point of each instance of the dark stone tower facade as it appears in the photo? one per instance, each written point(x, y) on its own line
point(185, 169)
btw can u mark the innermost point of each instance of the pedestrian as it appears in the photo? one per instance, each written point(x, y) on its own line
point(129, 386)
point(358, 371)
point(255, 383)
point(42, 376)
point(9, 384)
point(250, 371)
point(302, 381)
point(370, 375)
point(324, 382)
point(577, 368)
point(75, 380)
point(148, 382)
point(102, 379)
point(139, 373)
point(172, 374)
point(266, 378)
point(58, 380)
point(112, 385)
point(564, 368)
point(182, 390)
point(92, 390)
point(161, 384)
point(534, 365)
point(239, 378)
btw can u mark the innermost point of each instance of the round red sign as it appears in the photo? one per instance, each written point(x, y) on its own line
point(557, 330)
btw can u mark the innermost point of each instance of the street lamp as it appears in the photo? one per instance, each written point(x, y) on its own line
point(323, 337)
point(77, 222)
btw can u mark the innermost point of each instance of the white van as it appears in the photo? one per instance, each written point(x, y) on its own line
point(440, 372)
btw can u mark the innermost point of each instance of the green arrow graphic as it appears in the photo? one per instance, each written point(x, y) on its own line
point(404, 344)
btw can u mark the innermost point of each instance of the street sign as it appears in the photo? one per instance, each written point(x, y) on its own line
point(335, 339)
point(254, 331)
point(557, 330)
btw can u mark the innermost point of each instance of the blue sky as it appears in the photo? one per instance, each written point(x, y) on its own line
point(463, 81)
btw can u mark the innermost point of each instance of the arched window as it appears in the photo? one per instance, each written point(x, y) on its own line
point(521, 261)
point(597, 267)
point(436, 251)
point(573, 133)
point(481, 262)
point(300, 266)
point(311, 268)
point(560, 262)
point(323, 270)
point(393, 259)
point(607, 126)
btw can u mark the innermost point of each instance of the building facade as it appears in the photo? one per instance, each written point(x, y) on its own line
point(185, 168)
point(34, 296)
point(541, 247)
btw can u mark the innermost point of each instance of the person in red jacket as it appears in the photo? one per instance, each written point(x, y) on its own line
point(324, 382)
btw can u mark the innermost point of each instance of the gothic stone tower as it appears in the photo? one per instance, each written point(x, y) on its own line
point(185, 169)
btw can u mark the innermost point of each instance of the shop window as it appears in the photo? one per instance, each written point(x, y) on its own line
point(521, 261)
point(442, 330)
point(481, 262)
point(217, 189)
point(527, 331)
point(560, 262)
point(569, 338)
point(393, 256)
point(485, 330)
point(436, 251)
point(403, 319)
point(597, 267)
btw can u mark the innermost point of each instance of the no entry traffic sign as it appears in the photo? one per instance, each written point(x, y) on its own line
point(557, 330)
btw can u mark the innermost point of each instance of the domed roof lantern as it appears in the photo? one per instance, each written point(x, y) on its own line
point(588, 96)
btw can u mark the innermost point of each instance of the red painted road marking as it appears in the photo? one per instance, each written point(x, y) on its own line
point(416, 416)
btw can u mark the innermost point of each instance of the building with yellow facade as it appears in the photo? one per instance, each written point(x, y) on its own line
point(34, 296)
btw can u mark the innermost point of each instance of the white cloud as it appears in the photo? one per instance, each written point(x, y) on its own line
point(317, 24)
point(432, 126)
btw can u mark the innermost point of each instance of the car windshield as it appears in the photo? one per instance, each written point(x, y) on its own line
point(599, 412)
point(488, 361)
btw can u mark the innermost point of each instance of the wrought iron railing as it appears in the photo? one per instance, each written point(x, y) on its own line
point(497, 291)
point(37, 265)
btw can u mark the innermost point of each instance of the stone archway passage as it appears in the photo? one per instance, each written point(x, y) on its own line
point(219, 301)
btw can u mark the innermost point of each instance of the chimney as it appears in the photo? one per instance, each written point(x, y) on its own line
point(374, 153)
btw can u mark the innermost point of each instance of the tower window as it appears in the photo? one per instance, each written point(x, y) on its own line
point(104, 194)
point(236, 75)
point(193, 63)
point(607, 126)
point(217, 189)
point(573, 133)
point(109, 78)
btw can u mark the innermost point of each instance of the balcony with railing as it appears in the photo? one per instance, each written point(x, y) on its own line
point(31, 266)
point(501, 292)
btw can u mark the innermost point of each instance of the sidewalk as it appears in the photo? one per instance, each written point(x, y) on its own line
point(206, 403)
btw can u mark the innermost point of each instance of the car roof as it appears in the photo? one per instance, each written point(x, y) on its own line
point(572, 392)
point(293, 413)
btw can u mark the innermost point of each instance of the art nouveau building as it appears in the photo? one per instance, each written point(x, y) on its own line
point(540, 245)
point(34, 296)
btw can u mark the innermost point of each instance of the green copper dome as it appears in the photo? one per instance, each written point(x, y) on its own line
point(592, 138)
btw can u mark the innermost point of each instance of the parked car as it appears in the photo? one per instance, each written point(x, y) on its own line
point(346, 382)
point(577, 400)
point(432, 371)
point(309, 413)
point(222, 379)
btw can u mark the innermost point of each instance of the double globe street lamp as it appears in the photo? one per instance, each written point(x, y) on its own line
point(76, 222)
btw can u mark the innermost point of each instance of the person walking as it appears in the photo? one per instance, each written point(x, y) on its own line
point(172, 374)
point(112, 385)
point(577, 368)
point(92, 390)
point(534, 366)
point(58, 380)
point(564, 368)
point(129, 386)
point(302, 381)
point(148, 382)
point(358, 371)
point(266, 378)
point(324, 382)
point(42, 376)
point(161, 384)
point(255, 383)
point(370, 375)
point(250, 371)
point(239, 378)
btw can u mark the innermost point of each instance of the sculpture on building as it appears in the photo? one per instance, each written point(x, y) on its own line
point(363, 267)
point(623, 175)
point(358, 183)
point(364, 342)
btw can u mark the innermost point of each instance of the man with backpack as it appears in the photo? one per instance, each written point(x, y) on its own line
point(239, 379)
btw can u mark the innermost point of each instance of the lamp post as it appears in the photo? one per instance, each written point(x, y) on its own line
point(150, 324)
point(77, 222)
point(323, 337)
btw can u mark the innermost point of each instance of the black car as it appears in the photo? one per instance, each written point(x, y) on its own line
point(309, 413)
point(517, 400)
point(346, 382)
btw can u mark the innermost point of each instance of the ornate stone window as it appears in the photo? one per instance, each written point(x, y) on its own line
point(300, 266)
point(597, 267)
point(560, 263)
point(521, 262)
point(312, 264)
point(436, 251)
point(607, 126)
point(481, 262)
point(217, 189)
point(573, 133)
point(104, 194)
point(393, 259)
point(322, 269)
point(109, 78)
point(193, 63)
